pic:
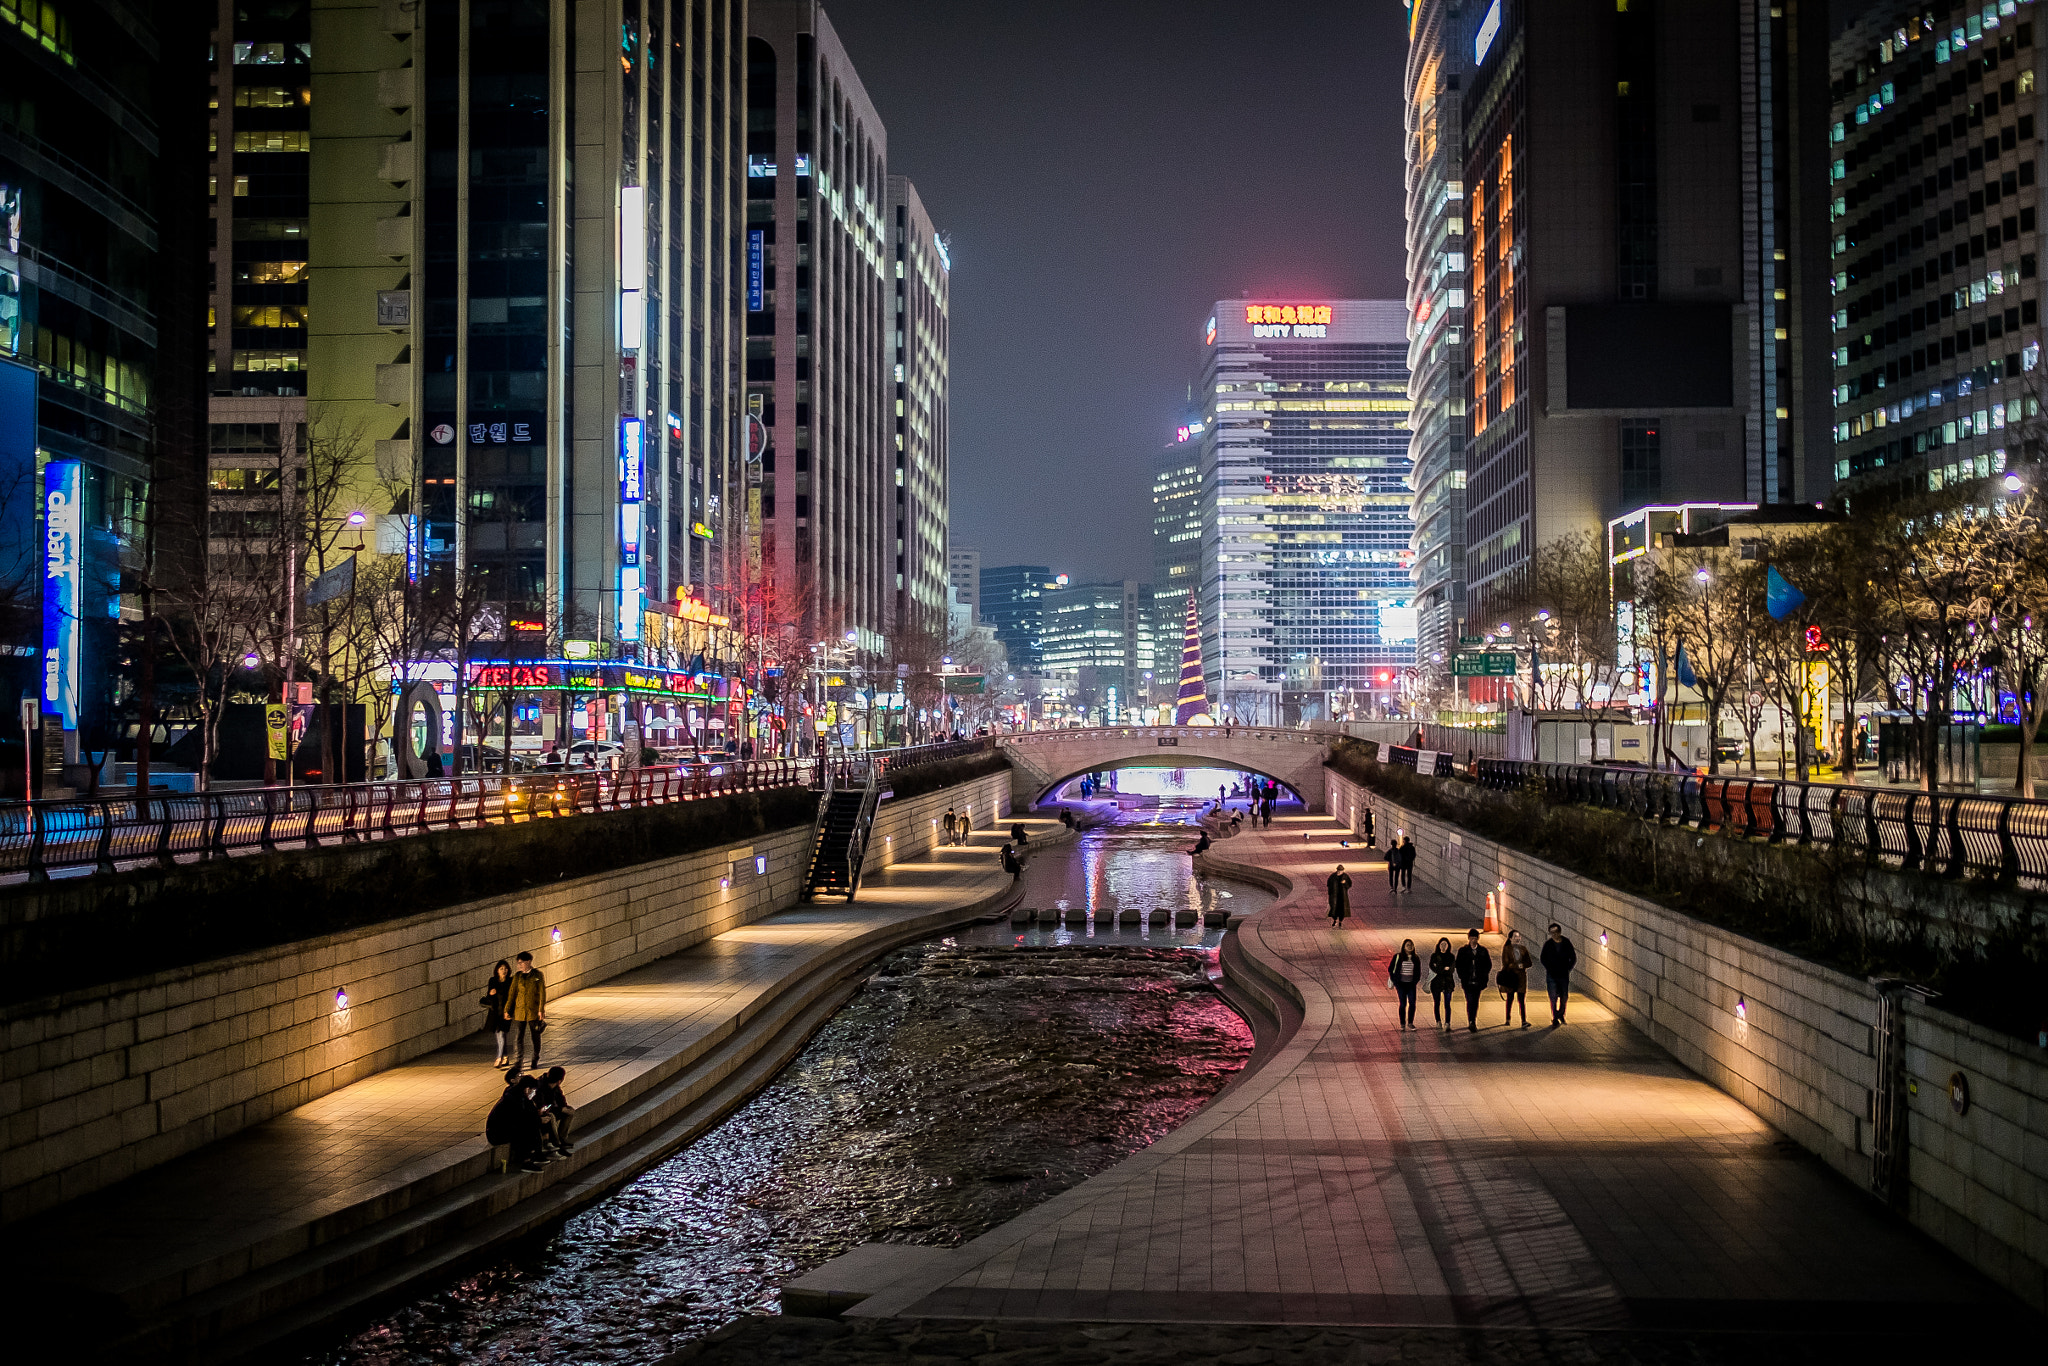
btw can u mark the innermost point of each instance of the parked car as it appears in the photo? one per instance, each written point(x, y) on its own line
point(596, 753)
point(1726, 749)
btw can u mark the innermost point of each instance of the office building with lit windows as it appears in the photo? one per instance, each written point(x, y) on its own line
point(1439, 51)
point(922, 343)
point(1306, 595)
point(1177, 522)
point(1098, 647)
point(1637, 181)
point(1013, 603)
point(525, 224)
point(821, 351)
point(103, 182)
point(1936, 145)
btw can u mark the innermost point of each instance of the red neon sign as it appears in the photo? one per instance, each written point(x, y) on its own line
point(510, 676)
point(1287, 313)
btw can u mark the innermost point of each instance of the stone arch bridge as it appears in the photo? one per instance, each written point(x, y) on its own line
point(1042, 760)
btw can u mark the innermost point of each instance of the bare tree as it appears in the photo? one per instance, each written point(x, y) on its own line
point(1929, 592)
point(1710, 598)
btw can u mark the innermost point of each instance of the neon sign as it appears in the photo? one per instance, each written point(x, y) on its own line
point(63, 588)
point(511, 676)
point(1287, 313)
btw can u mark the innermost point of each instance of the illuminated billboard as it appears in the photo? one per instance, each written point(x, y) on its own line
point(63, 587)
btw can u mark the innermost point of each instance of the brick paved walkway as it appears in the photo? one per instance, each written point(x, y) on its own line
point(1568, 1179)
point(177, 1228)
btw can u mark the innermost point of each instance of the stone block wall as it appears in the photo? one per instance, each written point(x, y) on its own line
point(1801, 1049)
point(101, 1083)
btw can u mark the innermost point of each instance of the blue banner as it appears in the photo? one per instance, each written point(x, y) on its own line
point(63, 587)
point(1781, 597)
point(757, 270)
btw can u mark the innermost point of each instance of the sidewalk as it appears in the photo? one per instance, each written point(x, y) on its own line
point(1571, 1178)
point(278, 1202)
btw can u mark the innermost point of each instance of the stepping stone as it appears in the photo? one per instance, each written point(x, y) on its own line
point(1162, 917)
point(1023, 915)
point(1130, 917)
point(1077, 915)
point(1216, 920)
point(1184, 919)
point(1105, 916)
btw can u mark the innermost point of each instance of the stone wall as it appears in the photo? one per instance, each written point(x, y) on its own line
point(1794, 1041)
point(101, 1083)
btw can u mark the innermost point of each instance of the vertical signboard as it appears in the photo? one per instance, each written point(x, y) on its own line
point(63, 587)
point(632, 266)
point(21, 556)
point(757, 270)
point(632, 482)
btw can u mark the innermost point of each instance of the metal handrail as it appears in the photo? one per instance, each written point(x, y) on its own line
point(1946, 834)
point(162, 828)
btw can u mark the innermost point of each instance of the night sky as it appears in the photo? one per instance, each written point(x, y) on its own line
point(1105, 171)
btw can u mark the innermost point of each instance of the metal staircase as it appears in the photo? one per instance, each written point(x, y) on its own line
point(846, 813)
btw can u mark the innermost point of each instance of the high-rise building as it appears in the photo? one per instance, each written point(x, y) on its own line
point(103, 182)
point(1177, 522)
point(1632, 178)
point(1936, 152)
point(821, 349)
point(923, 341)
point(525, 223)
point(1013, 602)
point(963, 571)
point(1306, 592)
point(1439, 52)
point(1098, 646)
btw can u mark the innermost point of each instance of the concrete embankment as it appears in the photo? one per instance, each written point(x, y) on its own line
point(676, 989)
point(1796, 1042)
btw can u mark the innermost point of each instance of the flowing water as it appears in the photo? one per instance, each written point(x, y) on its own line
point(972, 1077)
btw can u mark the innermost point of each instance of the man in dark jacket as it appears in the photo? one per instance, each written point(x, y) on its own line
point(515, 1120)
point(553, 1106)
point(1559, 958)
point(1475, 970)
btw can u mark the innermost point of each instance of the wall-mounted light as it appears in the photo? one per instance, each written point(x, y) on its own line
point(725, 884)
point(556, 934)
point(1603, 939)
point(1741, 1010)
point(760, 865)
point(341, 998)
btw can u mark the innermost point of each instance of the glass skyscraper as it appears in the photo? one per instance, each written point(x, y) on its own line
point(1306, 593)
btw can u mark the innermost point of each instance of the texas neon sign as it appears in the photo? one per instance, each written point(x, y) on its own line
point(1288, 320)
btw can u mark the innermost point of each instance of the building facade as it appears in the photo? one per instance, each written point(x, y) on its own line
point(922, 417)
point(1935, 251)
point(1177, 522)
point(1439, 52)
point(1306, 591)
point(103, 182)
point(963, 572)
point(1634, 289)
point(1013, 602)
point(1099, 648)
point(526, 226)
point(820, 358)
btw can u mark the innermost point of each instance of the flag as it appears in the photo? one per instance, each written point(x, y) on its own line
point(1684, 669)
point(333, 584)
point(1780, 596)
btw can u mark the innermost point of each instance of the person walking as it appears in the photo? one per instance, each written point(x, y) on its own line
point(1339, 884)
point(1559, 958)
point(1475, 971)
point(1369, 840)
point(1407, 864)
point(1514, 977)
point(1393, 867)
point(1404, 974)
point(951, 826)
point(1443, 977)
point(493, 1002)
point(526, 1006)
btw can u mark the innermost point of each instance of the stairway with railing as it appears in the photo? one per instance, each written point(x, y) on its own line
point(846, 814)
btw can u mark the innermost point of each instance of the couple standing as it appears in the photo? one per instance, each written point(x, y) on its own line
point(1401, 866)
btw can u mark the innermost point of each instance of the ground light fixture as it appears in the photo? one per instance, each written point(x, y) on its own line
point(2012, 483)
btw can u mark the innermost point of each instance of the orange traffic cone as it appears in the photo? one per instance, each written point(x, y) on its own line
point(1492, 923)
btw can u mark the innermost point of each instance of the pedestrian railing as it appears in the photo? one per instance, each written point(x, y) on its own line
point(891, 760)
point(107, 834)
point(1949, 834)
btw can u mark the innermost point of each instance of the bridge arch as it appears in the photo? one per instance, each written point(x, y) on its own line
point(1042, 761)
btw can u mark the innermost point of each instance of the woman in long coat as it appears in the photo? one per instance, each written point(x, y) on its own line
point(1340, 897)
